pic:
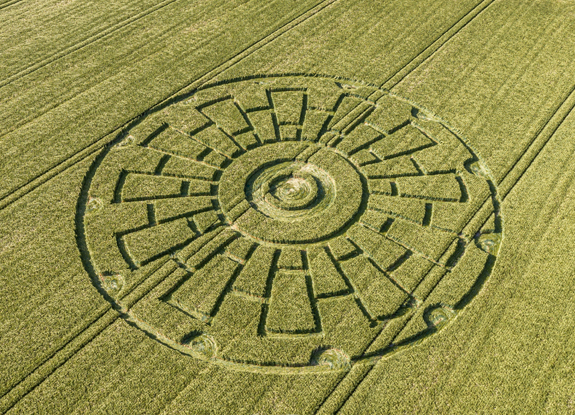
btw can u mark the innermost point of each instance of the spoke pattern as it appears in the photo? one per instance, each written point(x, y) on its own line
point(288, 198)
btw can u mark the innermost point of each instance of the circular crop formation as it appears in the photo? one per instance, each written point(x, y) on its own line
point(289, 223)
point(288, 198)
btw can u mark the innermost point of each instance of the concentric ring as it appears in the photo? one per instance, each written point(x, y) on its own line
point(335, 193)
point(289, 224)
point(287, 187)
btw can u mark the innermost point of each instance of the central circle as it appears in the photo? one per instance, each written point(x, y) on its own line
point(290, 190)
point(276, 194)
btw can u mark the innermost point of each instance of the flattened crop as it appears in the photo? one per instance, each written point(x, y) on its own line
point(282, 211)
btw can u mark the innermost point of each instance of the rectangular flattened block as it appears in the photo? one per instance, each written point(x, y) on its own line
point(148, 243)
point(226, 115)
point(250, 97)
point(143, 132)
point(144, 186)
point(323, 96)
point(290, 309)
point(116, 166)
point(265, 128)
point(345, 325)
point(204, 220)
point(383, 251)
point(460, 280)
point(254, 276)
point(377, 221)
point(217, 140)
point(203, 289)
point(430, 242)
point(441, 158)
point(197, 187)
point(197, 244)
point(288, 106)
point(400, 166)
point(181, 206)
point(238, 210)
point(160, 314)
point(326, 277)
point(436, 131)
point(383, 186)
point(290, 258)
point(103, 226)
point(307, 153)
point(363, 157)
point(341, 248)
point(449, 215)
point(360, 137)
point(440, 187)
point(238, 317)
point(376, 291)
point(400, 207)
point(205, 252)
point(184, 117)
point(175, 142)
point(348, 109)
point(213, 158)
point(406, 140)
point(328, 160)
point(181, 167)
point(117, 218)
point(289, 132)
point(315, 122)
point(410, 273)
point(240, 248)
point(246, 140)
point(390, 114)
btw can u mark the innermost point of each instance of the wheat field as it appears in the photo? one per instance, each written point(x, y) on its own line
point(248, 207)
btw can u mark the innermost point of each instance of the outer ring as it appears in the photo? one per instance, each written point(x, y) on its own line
point(123, 304)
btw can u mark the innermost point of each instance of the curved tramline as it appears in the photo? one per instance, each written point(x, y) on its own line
point(288, 223)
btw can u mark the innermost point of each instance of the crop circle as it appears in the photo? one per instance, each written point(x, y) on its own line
point(289, 224)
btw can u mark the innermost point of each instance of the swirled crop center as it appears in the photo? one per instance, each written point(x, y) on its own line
point(288, 196)
point(290, 190)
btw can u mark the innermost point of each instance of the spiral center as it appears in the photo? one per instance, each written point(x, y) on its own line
point(291, 190)
point(270, 195)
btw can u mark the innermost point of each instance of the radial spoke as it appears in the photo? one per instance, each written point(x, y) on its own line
point(290, 309)
point(380, 295)
point(200, 293)
point(254, 277)
point(327, 280)
point(149, 243)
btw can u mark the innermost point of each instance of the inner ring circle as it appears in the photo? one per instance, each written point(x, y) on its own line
point(291, 193)
point(290, 190)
